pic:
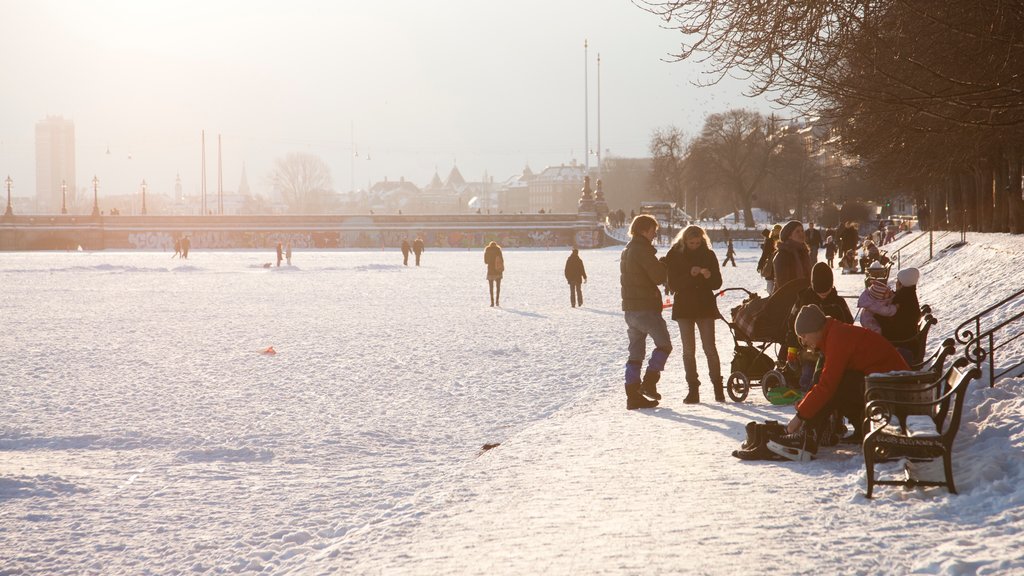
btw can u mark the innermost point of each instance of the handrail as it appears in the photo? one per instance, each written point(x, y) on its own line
point(975, 348)
point(963, 335)
point(897, 254)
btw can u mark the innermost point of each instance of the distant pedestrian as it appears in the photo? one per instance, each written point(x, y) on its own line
point(640, 273)
point(576, 275)
point(495, 269)
point(830, 251)
point(406, 248)
point(288, 253)
point(280, 251)
point(417, 248)
point(186, 243)
point(730, 254)
point(813, 238)
point(177, 248)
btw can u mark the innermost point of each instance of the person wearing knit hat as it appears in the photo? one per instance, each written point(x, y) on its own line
point(792, 257)
point(902, 326)
point(820, 293)
point(875, 301)
point(850, 352)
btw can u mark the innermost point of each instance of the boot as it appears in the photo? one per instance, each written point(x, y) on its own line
point(719, 391)
point(693, 397)
point(800, 446)
point(753, 431)
point(649, 387)
point(634, 399)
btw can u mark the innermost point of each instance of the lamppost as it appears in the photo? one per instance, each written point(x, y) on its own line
point(95, 196)
point(143, 197)
point(63, 197)
point(10, 210)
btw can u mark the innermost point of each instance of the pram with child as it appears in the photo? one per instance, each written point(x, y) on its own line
point(759, 325)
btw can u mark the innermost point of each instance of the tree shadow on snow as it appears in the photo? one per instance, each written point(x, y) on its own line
point(602, 312)
point(522, 313)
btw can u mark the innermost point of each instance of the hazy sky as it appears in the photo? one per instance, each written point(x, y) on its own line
point(490, 86)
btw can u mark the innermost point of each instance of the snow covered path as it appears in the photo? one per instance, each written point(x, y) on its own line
point(143, 431)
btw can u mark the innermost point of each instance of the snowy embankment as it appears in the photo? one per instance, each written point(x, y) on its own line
point(597, 489)
point(144, 432)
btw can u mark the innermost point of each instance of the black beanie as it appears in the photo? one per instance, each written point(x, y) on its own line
point(821, 278)
point(788, 229)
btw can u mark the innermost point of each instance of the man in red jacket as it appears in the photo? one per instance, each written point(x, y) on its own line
point(850, 353)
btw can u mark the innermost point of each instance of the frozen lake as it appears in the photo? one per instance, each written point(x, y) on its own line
point(144, 429)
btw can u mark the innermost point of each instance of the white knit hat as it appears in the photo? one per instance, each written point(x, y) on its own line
point(909, 276)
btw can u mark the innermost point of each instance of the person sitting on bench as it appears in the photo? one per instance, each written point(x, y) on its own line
point(850, 353)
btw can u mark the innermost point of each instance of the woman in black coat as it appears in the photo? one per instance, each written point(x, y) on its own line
point(792, 259)
point(693, 275)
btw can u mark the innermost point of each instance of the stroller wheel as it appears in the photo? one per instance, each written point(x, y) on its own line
point(771, 379)
point(738, 386)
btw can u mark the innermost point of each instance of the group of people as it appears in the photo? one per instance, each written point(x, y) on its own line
point(284, 251)
point(416, 248)
point(181, 247)
point(828, 354)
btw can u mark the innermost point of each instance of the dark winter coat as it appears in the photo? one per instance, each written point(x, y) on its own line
point(830, 250)
point(792, 261)
point(695, 295)
point(495, 262)
point(764, 264)
point(417, 246)
point(575, 273)
point(832, 305)
point(903, 324)
point(849, 239)
point(640, 273)
point(405, 247)
point(813, 238)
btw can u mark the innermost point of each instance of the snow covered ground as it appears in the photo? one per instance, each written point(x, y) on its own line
point(143, 431)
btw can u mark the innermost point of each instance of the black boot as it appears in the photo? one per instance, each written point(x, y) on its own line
point(693, 397)
point(649, 387)
point(753, 431)
point(719, 391)
point(634, 399)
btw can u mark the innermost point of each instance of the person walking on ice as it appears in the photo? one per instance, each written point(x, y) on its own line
point(288, 253)
point(640, 275)
point(730, 254)
point(576, 275)
point(417, 248)
point(495, 269)
point(280, 251)
point(405, 252)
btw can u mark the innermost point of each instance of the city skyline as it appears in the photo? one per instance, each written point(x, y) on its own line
point(413, 88)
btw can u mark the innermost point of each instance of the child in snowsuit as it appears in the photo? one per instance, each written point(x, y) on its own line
point(875, 300)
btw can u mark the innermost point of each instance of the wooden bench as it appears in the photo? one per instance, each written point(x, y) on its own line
point(884, 441)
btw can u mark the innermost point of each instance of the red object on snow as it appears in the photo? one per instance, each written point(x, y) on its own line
point(667, 304)
point(269, 351)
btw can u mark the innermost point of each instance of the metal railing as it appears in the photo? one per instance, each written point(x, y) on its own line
point(981, 345)
point(899, 255)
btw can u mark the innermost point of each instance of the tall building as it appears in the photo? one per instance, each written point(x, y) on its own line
point(55, 162)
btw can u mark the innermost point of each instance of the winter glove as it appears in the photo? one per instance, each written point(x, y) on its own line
point(793, 358)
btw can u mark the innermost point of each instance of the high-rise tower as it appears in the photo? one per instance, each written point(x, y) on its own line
point(55, 162)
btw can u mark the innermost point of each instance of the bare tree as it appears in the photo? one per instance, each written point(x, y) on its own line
point(668, 152)
point(303, 181)
point(796, 172)
point(736, 146)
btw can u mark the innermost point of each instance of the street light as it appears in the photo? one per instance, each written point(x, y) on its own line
point(10, 210)
point(95, 196)
point(143, 197)
point(63, 197)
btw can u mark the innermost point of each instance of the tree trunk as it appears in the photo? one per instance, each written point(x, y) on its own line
point(968, 200)
point(955, 202)
point(1000, 217)
point(983, 193)
point(937, 206)
point(1016, 203)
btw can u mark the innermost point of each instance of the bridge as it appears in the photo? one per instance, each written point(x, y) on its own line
point(69, 232)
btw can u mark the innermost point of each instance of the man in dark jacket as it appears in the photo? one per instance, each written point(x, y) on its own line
point(814, 241)
point(640, 275)
point(406, 248)
point(575, 275)
point(851, 352)
point(821, 293)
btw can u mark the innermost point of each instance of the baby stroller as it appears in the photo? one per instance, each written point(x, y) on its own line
point(759, 324)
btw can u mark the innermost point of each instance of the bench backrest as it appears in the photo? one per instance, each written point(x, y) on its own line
point(951, 405)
